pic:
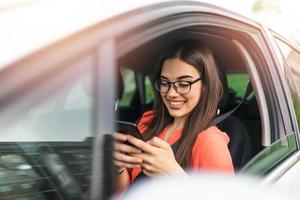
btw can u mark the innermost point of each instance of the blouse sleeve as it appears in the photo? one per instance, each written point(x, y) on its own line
point(211, 152)
point(144, 120)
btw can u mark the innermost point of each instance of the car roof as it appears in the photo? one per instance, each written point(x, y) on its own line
point(33, 24)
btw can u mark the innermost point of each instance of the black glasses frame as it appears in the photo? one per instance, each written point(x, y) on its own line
point(157, 83)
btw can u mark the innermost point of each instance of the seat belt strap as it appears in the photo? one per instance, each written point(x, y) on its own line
point(220, 118)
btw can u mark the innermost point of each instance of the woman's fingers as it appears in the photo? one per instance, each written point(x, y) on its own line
point(127, 158)
point(126, 148)
point(124, 164)
point(157, 142)
point(147, 158)
point(140, 144)
point(120, 137)
point(123, 152)
point(120, 146)
point(148, 169)
point(122, 159)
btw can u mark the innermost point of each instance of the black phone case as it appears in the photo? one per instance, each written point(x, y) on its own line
point(128, 128)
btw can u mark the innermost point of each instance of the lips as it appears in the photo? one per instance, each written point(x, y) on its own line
point(176, 104)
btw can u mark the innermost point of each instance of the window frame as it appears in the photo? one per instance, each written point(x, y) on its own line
point(292, 87)
point(288, 90)
point(281, 165)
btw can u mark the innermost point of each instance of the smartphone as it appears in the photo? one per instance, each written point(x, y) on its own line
point(128, 128)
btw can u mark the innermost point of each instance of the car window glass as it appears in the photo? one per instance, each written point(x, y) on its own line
point(292, 58)
point(46, 153)
point(238, 83)
point(129, 87)
point(271, 156)
point(149, 90)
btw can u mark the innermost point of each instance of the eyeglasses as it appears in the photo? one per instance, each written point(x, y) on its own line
point(181, 87)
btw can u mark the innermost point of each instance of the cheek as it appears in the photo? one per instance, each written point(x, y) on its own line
point(193, 100)
point(195, 95)
point(163, 97)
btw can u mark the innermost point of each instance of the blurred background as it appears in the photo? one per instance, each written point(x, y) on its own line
point(281, 15)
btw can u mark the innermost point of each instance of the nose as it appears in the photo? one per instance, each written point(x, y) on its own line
point(172, 92)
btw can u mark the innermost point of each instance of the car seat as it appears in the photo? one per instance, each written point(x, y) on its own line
point(249, 115)
point(240, 143)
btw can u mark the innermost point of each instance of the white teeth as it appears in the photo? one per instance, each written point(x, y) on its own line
point(176, 103)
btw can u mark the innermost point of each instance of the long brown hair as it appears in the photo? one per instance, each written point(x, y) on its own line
point(198, 55)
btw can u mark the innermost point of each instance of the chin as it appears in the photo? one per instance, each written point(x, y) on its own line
point(177, 113)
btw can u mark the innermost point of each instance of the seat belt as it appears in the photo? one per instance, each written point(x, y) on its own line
point(222, 117)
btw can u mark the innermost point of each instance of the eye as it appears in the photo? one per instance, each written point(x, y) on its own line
point(164, 83)
point(183, 84)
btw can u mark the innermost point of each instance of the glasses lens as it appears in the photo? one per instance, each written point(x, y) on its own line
point(161, 86)
point(182, 87)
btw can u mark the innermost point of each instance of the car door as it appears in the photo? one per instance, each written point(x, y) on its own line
point(46, 137)
point(289, 169)
point(52, 109)
point(279, 161)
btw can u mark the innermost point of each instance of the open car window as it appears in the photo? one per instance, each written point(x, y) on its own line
point(237, 82)
point(149, 93)
point(128, 81)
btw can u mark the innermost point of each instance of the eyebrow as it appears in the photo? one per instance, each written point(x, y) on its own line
point(178, 78)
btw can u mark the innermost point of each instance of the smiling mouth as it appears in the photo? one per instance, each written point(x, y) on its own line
point(176, 104)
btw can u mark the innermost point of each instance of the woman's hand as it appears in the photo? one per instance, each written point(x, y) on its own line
point(123, 153)
point(157, 156)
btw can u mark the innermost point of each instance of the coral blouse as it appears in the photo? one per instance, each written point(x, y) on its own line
point(210, 151)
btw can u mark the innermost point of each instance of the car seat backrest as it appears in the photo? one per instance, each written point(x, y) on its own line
point(240, 143)
point(251, 118)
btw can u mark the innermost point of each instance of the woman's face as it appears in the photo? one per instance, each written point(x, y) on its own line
point(178, 105)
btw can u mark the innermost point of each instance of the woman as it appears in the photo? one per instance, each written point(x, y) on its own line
point(177, 132)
